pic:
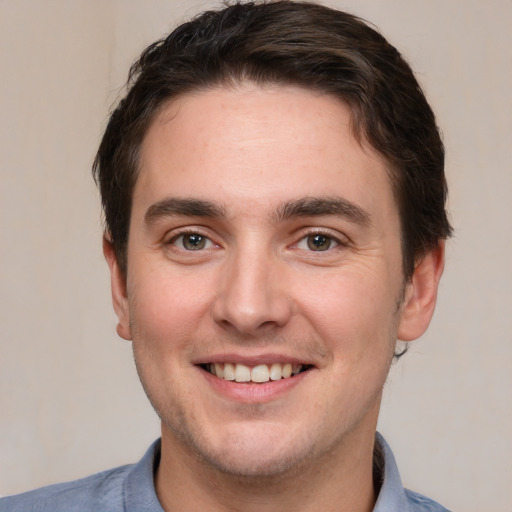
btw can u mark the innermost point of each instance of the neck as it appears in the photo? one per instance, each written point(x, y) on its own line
point(340, 480)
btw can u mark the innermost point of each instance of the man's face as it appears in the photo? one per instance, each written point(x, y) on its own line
point(263, 239)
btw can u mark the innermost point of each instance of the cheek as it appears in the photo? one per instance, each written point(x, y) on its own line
point(164, 320)
point(165, 309)
point(352, 312)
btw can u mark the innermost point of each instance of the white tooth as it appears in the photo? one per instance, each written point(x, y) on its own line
point(219, 371)
point(242, 373)
point(229, 371)
point(211, 369)
point(287, 370)
point(275, 372)
point(260, 373)
point(296, 369)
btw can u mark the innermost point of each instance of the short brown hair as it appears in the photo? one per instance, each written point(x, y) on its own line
point(285, 42)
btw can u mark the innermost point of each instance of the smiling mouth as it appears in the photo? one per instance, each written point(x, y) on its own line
point(256, 374)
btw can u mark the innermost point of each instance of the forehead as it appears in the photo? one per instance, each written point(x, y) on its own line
point(250, 143)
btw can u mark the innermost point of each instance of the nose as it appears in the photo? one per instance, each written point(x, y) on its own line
point(251, 297)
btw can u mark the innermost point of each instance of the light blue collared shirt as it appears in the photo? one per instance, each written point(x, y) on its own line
point(131, 489)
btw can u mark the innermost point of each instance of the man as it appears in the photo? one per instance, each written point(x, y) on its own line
point(274, 197)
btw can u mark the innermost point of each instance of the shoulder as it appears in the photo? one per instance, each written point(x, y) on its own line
point(127, 488)
point(102, 491)
point(420, 503)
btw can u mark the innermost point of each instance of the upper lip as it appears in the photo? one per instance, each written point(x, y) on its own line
point(252, 360)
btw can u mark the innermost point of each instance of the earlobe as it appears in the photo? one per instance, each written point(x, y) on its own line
point(118, 287)
point(421, 295)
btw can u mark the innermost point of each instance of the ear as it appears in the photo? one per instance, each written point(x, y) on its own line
point(118, 286)
point(421, 295)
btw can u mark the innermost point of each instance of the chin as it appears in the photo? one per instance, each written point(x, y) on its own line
point(250, 451)
point(255, 463)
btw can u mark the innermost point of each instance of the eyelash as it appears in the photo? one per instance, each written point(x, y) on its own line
point(188, 232)
point(322, 233)
point(331, 238)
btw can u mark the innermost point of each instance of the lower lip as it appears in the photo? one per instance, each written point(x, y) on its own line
point(252, 393)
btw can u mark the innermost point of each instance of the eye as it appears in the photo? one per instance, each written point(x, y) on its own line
point(317, 242)
point(192, 242)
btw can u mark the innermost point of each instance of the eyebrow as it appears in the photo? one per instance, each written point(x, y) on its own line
point(303, 207)
point(173, 206)
point(322, 206)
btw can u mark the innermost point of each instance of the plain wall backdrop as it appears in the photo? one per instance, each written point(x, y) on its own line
point(70, 400)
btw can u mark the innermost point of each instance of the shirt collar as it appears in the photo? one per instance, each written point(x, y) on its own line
point(139, 487)
point(392, 495)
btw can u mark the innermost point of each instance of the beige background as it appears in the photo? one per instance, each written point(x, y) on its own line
point(70, 402)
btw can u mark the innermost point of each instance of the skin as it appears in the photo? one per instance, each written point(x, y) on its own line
point(257, 292)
